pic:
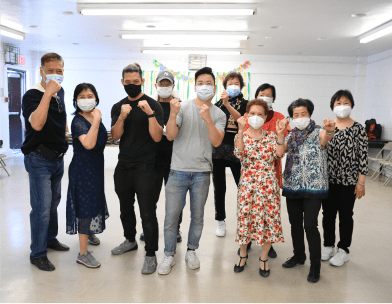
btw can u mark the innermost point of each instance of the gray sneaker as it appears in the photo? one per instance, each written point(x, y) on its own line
point(88, 260)
point(93, 240)
point(124, 247)
point(150, 265)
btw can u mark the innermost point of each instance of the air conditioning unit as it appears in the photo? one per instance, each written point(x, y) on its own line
point(196, 62)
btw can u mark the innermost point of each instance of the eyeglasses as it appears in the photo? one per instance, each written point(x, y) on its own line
point(59, 105)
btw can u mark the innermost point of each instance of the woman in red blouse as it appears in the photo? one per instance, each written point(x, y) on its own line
point(267, 93)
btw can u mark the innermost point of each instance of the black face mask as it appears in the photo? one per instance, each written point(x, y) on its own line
point(133, 90)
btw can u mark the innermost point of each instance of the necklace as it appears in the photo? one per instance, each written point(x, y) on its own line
point(261, 136)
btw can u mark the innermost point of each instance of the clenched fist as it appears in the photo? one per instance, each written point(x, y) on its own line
point(175, 106)
point(205, 113)
point(125, 110)
point(96, 113)
point(281, 126)
point(241, 123)
point(143, 104)
point(225, 97)
point(329, 125)
point(52, 87)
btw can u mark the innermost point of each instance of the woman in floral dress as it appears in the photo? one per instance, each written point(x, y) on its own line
point(258, 199)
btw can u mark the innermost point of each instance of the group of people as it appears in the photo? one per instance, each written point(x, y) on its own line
point(178, 142)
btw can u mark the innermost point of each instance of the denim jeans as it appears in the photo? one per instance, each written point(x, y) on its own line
point(178, 185)
point(45, 194)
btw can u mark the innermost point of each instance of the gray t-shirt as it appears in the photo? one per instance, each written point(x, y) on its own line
point(192, 149)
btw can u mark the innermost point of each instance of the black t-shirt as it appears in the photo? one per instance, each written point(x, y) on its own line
point(136, 145)
point(231, 128)
point(164, 147)
point(52, 134)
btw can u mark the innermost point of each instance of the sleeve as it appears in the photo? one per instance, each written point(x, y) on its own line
point(179, 117)
point(29, 104)
point(158, 113)
point(274, 145)
point(116, 111)
point(78, 127)
point(221, 123)
point(363, 151)
point(242, 109)
point(237, 152)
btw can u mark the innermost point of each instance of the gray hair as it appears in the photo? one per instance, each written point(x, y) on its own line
point(131, 68)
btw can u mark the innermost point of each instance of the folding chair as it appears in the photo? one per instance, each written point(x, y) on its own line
point(387, 164)
point(382, 162)
point(379, 158)
point(2, 163)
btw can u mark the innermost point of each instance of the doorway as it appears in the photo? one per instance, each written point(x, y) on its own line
point(16, 89)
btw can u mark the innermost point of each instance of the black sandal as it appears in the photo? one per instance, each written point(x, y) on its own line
point(238, 268)
point(264, 273)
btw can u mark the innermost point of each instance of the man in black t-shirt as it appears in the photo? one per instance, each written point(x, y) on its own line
point(138, 121)
point(45, 144)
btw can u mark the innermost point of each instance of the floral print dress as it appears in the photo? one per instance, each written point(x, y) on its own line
point(258, 198)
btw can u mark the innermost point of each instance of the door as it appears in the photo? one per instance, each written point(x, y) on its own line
point(16, 88)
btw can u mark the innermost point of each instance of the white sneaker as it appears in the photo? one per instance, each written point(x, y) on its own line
point(221, 229)
point(339, 258)
point(193, 261)
point(327, 253)
point(165, 266)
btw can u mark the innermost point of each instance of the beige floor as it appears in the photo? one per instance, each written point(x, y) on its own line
point(367, 277)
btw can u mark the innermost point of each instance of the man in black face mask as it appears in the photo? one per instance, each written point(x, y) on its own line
point(138, 121)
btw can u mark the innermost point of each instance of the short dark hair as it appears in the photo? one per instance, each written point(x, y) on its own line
point(133, 68)
point(233, 75)
point(340, 94)
point(266, 86)
point(80, 88)
point(51, 56)
point(205, 70)
point(301, 103)
point(257, 102)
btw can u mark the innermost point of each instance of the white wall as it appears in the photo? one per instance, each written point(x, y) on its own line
point(316, 78)
point(378, 97)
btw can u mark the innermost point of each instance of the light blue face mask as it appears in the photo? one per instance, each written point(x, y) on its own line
point(233, 90)
point(58, 78)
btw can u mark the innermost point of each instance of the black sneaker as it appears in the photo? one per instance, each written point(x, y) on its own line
point(247, 248)
point(142, 237)
point(294, 261)
point(58, 246)
point(314, 273)
point(272, 253)
point(179, 237)
point(42, 263)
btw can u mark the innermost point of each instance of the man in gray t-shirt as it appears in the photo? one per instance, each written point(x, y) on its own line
point(195, 126)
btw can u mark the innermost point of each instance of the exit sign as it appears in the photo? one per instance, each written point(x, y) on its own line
point(21, 60)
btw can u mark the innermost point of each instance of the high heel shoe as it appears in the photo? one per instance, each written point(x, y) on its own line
point(264, 273)
point(238, 268)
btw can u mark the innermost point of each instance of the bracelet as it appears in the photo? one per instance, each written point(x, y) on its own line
point(332, 133)
point(361, 184)
point(284, 140)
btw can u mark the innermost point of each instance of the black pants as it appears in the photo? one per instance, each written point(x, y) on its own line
point(127, 183)
point(340, 199)
point(219, 181)
point(303, 215)
point(162, 174)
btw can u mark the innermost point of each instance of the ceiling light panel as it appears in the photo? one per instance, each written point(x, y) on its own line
point(376, 33)
point(190, 43)
point(185, 35)
point(170, 1)
point(118, 9)
point(193, 51)
point(9, 32)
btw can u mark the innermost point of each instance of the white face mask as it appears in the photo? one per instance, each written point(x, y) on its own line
point(256, 122)
point(205, 92)
point(165, 92)
point(268, 100)
point(342, 111)
point(86, 105)
point(301, 123)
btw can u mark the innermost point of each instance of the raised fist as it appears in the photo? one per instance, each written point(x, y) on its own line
point(281, 125)
point(225, 97)
point(143, 104)
point(96, 113)
point(125, 110)
point(175, 106)
point(205, 112)
point(52, 87)
point(329, 125)
point(241, 123)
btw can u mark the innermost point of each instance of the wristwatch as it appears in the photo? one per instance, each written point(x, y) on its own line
point(151, 115)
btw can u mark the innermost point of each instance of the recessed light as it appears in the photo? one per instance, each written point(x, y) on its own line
point(166, 44)
point(268, 38)
point(275, 27)
point(359, 15)
point(300, 53)
point(151, 26)
point(261, 45)
point(68, 13)
point(75, 43)
point(322, 38)
point(107, 36)
point(33, 26)
point(58, 35)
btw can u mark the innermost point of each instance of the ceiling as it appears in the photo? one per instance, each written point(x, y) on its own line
point(301, 23)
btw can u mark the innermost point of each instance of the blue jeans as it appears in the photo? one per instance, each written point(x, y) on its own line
point(176, 188)
point(45, 194)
